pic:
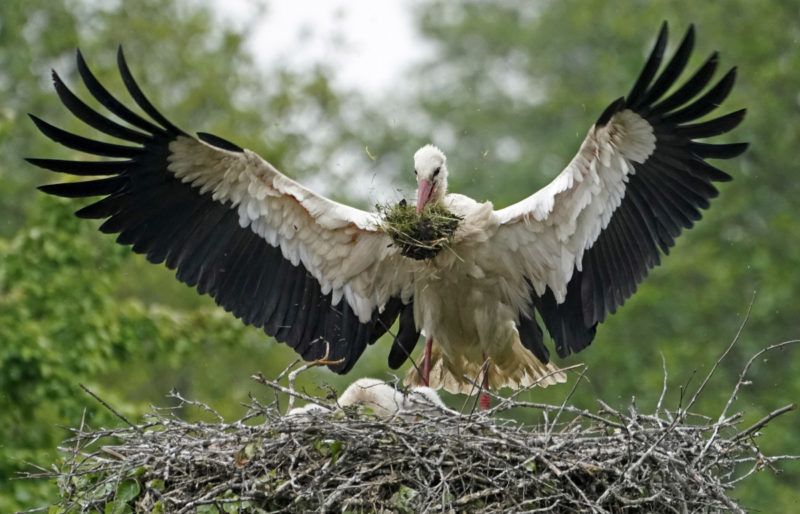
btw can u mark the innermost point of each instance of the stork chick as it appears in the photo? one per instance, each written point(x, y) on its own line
point(384, 400)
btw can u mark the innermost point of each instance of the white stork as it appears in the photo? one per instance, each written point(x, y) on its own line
point(317, 274)
point(384, 400)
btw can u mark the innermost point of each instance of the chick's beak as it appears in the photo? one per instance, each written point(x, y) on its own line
point(424, 191)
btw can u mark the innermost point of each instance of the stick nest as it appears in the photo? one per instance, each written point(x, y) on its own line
point(574, 460)
point(419, 236)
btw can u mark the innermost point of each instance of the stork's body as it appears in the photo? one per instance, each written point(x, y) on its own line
point(468, 302)
point(326, 279)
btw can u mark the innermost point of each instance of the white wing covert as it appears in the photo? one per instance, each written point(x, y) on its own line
point(305, 269)
point(587, 239)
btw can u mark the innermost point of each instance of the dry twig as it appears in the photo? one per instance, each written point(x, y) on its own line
point(575, 461)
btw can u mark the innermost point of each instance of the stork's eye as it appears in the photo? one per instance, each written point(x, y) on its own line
point(415, 172)
point(436, 171)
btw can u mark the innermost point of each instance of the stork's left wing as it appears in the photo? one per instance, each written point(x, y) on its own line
point(586, 240)
point(311, 272)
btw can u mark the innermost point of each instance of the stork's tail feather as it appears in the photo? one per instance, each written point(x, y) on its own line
point(521, 370)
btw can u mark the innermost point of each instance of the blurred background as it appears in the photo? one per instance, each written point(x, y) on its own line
point(339, 94)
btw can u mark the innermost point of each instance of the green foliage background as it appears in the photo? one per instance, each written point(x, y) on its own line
point(509, 93)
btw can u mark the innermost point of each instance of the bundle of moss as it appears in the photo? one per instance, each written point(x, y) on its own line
point(419, 236)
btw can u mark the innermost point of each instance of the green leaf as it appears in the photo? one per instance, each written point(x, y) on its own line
point(403, 499)
point(115, 507)
point(329, 448)
point(127, 491)
point(336, 448)
point(250, 450)
point(237, 507)
point(156, 484)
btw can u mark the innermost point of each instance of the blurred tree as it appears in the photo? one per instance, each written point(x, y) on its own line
point(23, 35)
point(510, 94)
point(512, 90)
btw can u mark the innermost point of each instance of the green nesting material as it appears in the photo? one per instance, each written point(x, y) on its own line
point(419, 236)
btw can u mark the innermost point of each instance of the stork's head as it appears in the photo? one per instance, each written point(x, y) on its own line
point(430, 167)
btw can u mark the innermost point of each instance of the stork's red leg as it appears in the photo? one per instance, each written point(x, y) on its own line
point(426, 361)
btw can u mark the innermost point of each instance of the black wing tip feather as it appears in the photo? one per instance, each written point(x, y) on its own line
point(49, 189)
point(83, 144)
point(61, 190)
point(714, 127)
point(83, 67)
point(723, 177)
point(139, 97)
point(650, 68)
point(51, 131)
point(718, 151)
point(683, 106)
point(59, 85)
point(688, 36)
point(737, 149)
point(661, 40)
point(98, 187)
point(39, 122)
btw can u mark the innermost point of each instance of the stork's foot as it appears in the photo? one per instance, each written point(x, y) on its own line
point(325, 362)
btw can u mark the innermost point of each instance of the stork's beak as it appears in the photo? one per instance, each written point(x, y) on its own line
point(424, 191)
